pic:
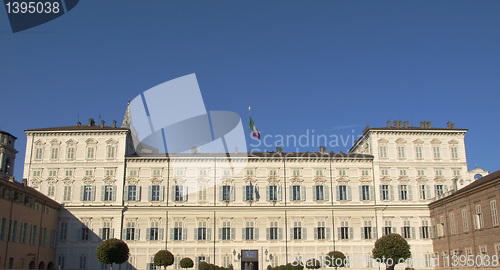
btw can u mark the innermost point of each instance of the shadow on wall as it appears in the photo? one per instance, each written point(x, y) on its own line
point(78, 240)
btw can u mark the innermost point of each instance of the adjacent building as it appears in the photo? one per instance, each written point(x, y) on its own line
point(279, 207)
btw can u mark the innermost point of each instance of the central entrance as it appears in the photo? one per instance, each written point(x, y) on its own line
point(250, 259)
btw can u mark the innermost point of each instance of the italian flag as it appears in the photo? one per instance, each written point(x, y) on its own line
point(253, 128)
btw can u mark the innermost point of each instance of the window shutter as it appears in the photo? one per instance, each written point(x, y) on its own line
point(184, 233)
point(410, 193)
point(420, 232)
point(209, 233)
point(256, 234)
point(111, 233)
point(171, 233)
point(221, 190)
point(268, 233)
point(303, 193)
point(233, 233)
point(150, 194)
point(139, 192)
point(328, 233)
point(280, 233)
point(160, 233)
point(92, 193)
point(391, 192)
point(186, 193)
point(375, 234)
point(162, 193)
point(427, 192)
point(362, 233)
point(220, 233)
point(267, 194)
point(314, 192)
point(291, 193)
point(360, 193)
point(195, 233)
point(232, 195)
point(402, 231)
point(381, 193)
point(399, 192)
point(349, 193)
point(279, 193)
point(394, 230)
point(445, 188)
point(413, 234)
point(326, 193)
point(172, 193)
point(148, 233)
point(304, 233)
point(113, 195)
point(103, 188)
point(315, 233)
point(351, 233)
point(420, 195)
point(124, 234)
point(243, 193)
point(257, 194)
point(82, 189)
point(137, 234)
point(339, 233)
point(372, 195)
point(243, 234)
point(291, 233)
point(100, 233)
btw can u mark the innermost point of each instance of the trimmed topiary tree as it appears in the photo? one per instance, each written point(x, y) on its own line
point(112, 251)
point(390, 249)
point(203, 266)
point(186, 263)
point(336, 258)
point(313, 263)
point(163, 258)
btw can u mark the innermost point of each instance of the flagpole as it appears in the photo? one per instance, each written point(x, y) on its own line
point(249, 147)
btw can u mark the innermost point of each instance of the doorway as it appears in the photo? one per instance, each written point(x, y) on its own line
point(250, 259)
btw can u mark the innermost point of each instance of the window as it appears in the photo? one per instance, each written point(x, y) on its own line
point(388, 227)
point(439, 172)
point(51, 190)
point(226, 261)
point(385, 192)
point(384, 172)
point(406, 230)
point(109, 172)
point(68, 173)
point(38, 153)
point(401, 152)
point(454, 152)
point(456, 172)
point(63, 230)
point(424, 192)
point(54, 151)
point(24, 233)
point(321, 230)
point(155, 193)
point(494, 213)
point(177, 231)
point(156, 172)
point(465, 221)
point(132, 193)
point(296, 193)
point(274, 193)
point(202, 191)
point(365, 172)
point(67, 193)
point(418, 152)
point(479, 221)
point(365, 193)
point(110, 151)
point(319, 173)
point(179, 173)
point(89, 173)
point(154, 232)
point(133, 172)
point(319, 193)
point(226, 193)
point(438, 190)
point(14, 231)
point(130, 233)
point(70, 153)
point(225, 231)
point(108, 193)
point(52, 173)
point(201, 231)
point(342, 172)
point(424, 230)
point(60, 262)
point(37, 173)
point(273, 172)
point(106, 230)
point(249, 172)
point(90, 152)
point(34, 235)
point(383, 151)
point(402, 172)
point(180, 193)
point(344, 230)
point(248, 231)
point(403, 192)
point(87, 193)
point(83, 262)
point(421, 172)
point(436, 151)
point(295, 172)
point(273, 230)
point(297, 230)
point(366, 231)
point(85, 235)
point(452, 223)
point(343, 193)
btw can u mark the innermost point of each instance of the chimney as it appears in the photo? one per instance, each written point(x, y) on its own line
point(422, 124)
point(25, 182)
point(102, 123)
point(114, 123)
point(322, 149)
point(279, 150)
point(194, 150)
point(407, 124)
point(388, 123)
point(451, 125)
point(91, 122)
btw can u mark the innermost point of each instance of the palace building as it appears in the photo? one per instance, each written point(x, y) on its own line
point(280, 206)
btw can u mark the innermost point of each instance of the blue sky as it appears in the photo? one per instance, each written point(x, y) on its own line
point(329, 66)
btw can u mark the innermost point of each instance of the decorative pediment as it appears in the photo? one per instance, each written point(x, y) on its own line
point(365, 181)
point(156, 181)
point(422, 179)
point(343, 180)
point(296, 180)
point(133, 181)
point(39, 143)
point(51, 181)
point(55, 142)
point(111, 141)
point(273, 180)
point(400, 140)
point(71, 141)
point(418, 141)
point(404, 178)
point(453, 141)
point(91, 141)
point(88, 180)
point(382, 140)
point(385, 179)
point(228, 182)
point(68, 181)
point(249, 180)
point(181, 181)
point(108, 180)
point(319, 180)
point(439, 178)
point(35, 183)
point(435, 141)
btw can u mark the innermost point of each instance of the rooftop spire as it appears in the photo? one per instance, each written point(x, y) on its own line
point(126, 118)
